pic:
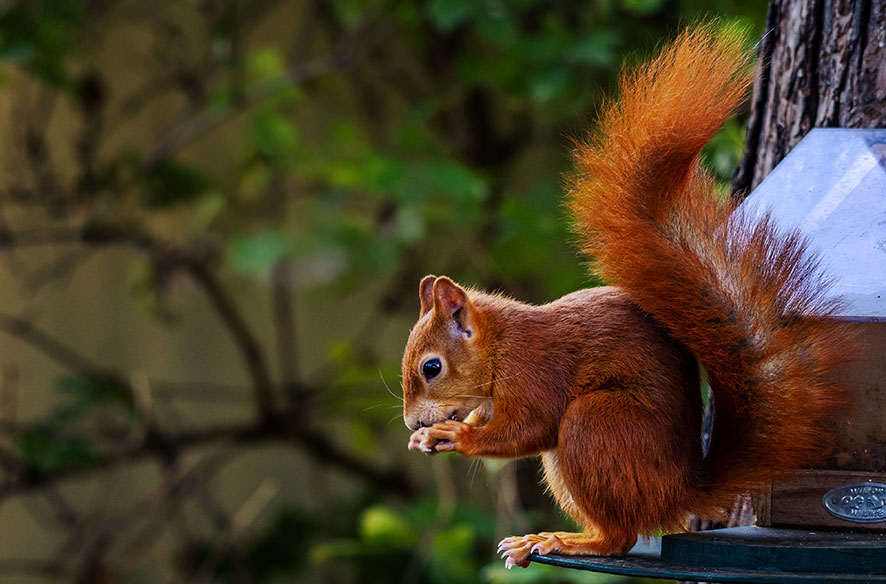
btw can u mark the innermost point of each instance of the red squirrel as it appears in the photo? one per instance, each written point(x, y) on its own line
point(604, 383)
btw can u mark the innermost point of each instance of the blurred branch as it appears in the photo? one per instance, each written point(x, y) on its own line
point(60, 512)
point(166, 446)
point(10, 390)
point(47, 570)
point(284, 326)
point(56, 269)
point(57, 351)
point(51, 235)
point(446, 504)
point(345, 56)
point(193, 262)
point(242, 334)
point(190, 477)
point(320, 448)
point(182, 131)
point(196, 391)
point(271, 424)
point(241, 521)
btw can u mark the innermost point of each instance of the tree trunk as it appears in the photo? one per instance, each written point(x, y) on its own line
point(822, 64)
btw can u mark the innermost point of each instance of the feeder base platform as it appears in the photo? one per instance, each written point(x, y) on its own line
point(762, 555)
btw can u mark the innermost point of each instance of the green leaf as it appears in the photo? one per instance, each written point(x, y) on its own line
point(42, 38)
point(549, 84)
point(339, 548)
point(85, 393)
point(526, 237)
point(724, 151)
point(265, 63)
point(450, 178)
point(598, 49)
point(350, 13)
point(411, 228)
point(259, 252)
point(41, 449)
point(448, 14)
point(274, 136)
point(383, 525)
point(547, 47)
point(454, 542)
point(385, 175)
point(171, 182)
point(643, 7)
point(496, 22)
point(452, 560)
point(221, 98)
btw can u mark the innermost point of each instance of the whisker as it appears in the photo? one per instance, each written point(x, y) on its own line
point(500, 379)
point(392, 419)
point(388, 388)
point(473, 469)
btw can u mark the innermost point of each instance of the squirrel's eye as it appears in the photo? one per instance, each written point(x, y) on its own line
point(431, 368)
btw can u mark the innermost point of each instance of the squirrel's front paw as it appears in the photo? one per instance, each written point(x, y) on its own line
point(451, 436)
point(421, 440)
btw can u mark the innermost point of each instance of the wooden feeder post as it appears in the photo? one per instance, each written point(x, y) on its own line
point(829, 523)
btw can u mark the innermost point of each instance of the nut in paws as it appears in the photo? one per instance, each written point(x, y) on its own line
point(421, 440)
point(452, 436)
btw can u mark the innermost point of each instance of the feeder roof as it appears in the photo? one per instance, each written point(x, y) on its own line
point(832, 187)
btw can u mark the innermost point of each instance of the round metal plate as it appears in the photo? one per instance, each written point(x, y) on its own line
point(857, 502)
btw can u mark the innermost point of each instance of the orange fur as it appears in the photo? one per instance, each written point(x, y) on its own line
point(603, 383)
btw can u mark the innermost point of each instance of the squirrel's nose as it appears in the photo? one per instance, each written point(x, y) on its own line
point(413, 423)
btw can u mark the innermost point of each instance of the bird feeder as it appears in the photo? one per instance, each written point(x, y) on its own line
point(827, 524)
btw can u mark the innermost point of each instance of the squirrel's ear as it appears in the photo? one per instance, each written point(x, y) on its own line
point(449, 297)
point(426, 294)
point(451, 301)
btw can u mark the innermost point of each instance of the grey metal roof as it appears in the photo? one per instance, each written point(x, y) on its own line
point(832, 186)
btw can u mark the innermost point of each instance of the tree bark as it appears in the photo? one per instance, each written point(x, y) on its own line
point(822, 64)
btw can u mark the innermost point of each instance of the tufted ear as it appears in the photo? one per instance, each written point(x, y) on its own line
point(451, 302)
point(426, 294)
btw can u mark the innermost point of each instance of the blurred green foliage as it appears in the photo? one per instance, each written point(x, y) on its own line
point(381, 141)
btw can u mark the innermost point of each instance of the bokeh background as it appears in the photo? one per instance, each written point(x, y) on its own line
point(213, 219)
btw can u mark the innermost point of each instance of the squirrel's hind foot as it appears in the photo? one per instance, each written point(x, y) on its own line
point(516, 550)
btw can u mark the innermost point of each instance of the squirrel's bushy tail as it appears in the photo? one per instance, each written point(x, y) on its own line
point(745, 297)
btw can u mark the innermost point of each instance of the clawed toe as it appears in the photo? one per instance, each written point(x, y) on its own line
point(509, 543)
point(515, 550)
point(549, 545)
